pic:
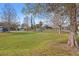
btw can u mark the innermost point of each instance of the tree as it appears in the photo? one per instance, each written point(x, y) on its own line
point(33, 10)
point(39, 25)
point(59, 12)
point(28, 10)
point(71, 8)
point(26, 23)
point(9, 16)
point(58, 22)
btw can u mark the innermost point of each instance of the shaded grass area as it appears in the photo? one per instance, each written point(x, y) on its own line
point(35, 43)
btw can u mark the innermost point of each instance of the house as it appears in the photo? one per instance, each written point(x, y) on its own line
point(2, 29)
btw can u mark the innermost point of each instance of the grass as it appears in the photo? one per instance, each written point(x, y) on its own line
point(35, 43)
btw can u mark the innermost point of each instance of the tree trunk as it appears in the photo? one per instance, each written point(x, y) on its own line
point(72, 40)
point(59, 29)
point(73, 26)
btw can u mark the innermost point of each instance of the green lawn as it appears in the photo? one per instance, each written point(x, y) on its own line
point(35, 43)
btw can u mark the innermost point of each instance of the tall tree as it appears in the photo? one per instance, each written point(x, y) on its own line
point(29, 10)
point(9, 16)
point(71, 9)
point(73, 24)
point(26, 23)
point(33, 10)
point(59, 12)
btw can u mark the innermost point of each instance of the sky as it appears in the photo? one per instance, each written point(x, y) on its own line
point(18, 7)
